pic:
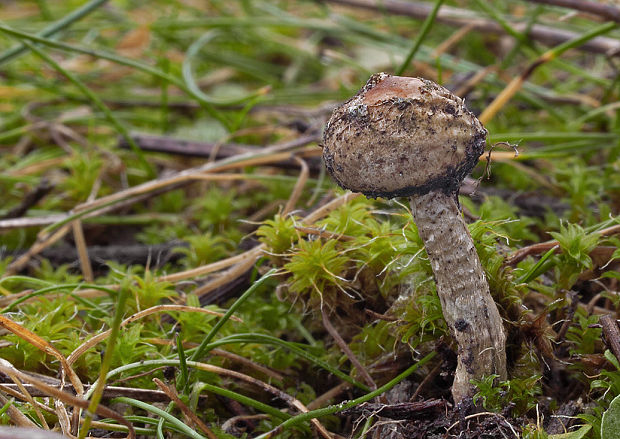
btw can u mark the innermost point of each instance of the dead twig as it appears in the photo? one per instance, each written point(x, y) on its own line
point(16, 416)
point(290, 400)
point(323, 399)
point(606, 11)
point(172, 394)
point(30, 199)
point(542, 247)
point(82, 250)
point(108, 393)
point(299, 186)
point(461, 17)
point(347, 350)
point(67, 398)
point(267, 155)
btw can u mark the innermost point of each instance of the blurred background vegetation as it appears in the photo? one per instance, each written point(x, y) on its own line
point(144, 143)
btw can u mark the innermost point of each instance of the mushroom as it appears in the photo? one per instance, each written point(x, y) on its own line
point(410, 137)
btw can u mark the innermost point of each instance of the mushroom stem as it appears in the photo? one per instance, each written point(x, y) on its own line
point(467, 304)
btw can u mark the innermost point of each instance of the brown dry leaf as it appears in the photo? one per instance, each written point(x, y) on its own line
point(135, 42)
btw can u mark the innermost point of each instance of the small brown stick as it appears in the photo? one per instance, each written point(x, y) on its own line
point(44, 346)
point(323, 399)
point(172, 394)
point(186, 147)
point(293, 402)
point(215, 266)
point(347, 350)
point(427, 379)
point(299, 186)
point(592, 302)
point(608, 12)
point(82, 250)
point(461, 17)
point(140, 375)
point(611, 333)
point(108, 393)
point(16, 415)
point(30, 199)
point(25, 395)
point(41, 244)
point(451, 41)
point(574, 304)
point(60, 396)
point(543, 247)
point(226, 277)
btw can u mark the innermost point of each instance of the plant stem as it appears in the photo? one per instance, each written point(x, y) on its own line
point(426, 27)
point(106, 362)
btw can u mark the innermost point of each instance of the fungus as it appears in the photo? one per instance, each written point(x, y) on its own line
point(410, 137)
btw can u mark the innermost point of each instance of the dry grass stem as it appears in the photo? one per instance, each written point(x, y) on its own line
point(60, 396)
point(347, 350)
point(543, 247)
point(191, 416)
point(16, 416)
point(293, 402)
point(25, 395)
point(82, 250)
point(44, 346)
point(323, 400)
point(224, 278)
point(299, 186)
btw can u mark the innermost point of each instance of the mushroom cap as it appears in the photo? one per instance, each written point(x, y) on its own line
point(401, 136)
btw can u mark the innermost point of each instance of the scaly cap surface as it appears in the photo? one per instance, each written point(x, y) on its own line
point(401, 136)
